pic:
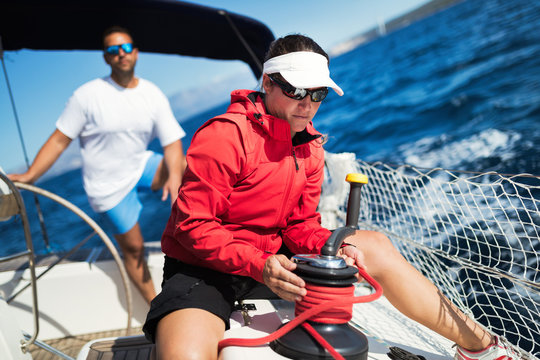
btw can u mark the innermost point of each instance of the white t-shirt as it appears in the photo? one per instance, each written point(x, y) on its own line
point(115, 125)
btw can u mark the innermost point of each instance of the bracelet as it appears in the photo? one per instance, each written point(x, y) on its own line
point(346, 244)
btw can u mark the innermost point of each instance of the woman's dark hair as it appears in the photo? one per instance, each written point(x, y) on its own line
point(293, 43)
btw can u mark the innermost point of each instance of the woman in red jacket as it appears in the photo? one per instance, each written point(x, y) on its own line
point(249, 196)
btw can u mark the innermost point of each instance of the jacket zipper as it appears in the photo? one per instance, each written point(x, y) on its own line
point(290, 180)
point(295, 160)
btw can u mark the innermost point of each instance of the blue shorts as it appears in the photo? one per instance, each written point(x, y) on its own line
point(125, 215)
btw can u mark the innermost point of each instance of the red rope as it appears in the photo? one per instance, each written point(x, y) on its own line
point(322, 341)
point(320, 308)
point(317, 295)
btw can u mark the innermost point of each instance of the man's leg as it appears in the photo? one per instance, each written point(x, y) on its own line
point(124, 217)
point(132, 246)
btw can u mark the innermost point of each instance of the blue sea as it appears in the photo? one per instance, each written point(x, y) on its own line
point(459, 89)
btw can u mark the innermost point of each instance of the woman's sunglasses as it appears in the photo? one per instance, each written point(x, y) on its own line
point(288, 90)
point(115, 49)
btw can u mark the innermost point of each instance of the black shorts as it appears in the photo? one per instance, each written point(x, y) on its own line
point(187, 286)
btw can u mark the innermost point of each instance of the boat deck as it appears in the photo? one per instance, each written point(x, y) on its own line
point(72, 345)
point(379, 321)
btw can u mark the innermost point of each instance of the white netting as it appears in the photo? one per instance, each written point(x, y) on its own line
point(476, 236)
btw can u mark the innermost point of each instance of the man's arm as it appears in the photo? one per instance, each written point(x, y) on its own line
point(47, 155)
point(173, 156)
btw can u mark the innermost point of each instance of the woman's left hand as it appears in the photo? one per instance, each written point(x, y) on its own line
point(278, 276)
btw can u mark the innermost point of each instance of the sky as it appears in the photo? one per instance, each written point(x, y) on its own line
point(42, 81)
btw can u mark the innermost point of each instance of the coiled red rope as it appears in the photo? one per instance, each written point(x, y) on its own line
point(317, 295)
point(321, 304)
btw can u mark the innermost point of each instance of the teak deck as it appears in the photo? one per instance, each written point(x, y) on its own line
point(135, 348)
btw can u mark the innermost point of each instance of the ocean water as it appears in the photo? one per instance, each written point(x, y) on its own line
point(459, 89)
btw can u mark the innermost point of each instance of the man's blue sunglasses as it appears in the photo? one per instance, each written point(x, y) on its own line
point(115, 49)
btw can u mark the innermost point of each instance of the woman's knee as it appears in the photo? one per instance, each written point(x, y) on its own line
point(376, 247)
point(189, 334)
point(372, 240)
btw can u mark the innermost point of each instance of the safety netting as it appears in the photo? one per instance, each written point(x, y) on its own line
point(475, 235)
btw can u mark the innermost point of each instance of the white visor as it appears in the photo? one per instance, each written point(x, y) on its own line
point(302, 69)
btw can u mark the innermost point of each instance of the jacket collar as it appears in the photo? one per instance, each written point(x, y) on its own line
point(251, 104)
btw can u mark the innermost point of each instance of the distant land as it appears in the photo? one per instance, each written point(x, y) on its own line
point(397, 23)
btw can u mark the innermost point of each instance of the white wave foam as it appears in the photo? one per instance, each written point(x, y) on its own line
point(488, 143)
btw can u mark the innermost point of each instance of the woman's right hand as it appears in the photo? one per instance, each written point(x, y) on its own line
point(278, 276)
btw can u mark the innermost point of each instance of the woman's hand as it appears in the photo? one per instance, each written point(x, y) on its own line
point(278, 276)
point(353, 257)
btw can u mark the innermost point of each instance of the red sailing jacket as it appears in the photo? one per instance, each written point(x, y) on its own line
point(246, 189)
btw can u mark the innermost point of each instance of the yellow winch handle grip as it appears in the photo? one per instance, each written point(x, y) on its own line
point(356, 178)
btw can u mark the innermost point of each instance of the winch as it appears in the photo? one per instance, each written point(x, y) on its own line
point(328, 277)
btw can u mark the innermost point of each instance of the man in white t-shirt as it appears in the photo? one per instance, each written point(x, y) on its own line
point(115, 118)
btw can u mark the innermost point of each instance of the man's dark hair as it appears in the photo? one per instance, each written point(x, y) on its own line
point(115, 29)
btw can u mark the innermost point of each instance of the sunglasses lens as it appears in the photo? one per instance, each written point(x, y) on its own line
point(113, 50)
point(299, 94)
point(319, 95)
point(128, 48)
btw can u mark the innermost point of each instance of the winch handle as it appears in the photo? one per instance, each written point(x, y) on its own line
point(356, 182)
point(335, 240)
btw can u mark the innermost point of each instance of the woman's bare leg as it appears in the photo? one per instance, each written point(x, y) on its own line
point(189, 334)
point(414, 295)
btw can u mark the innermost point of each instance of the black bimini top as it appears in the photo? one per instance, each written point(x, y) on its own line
point(157, 26)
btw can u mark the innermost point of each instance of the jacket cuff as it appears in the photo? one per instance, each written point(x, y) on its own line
point(323, 235)
point(257, 267)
